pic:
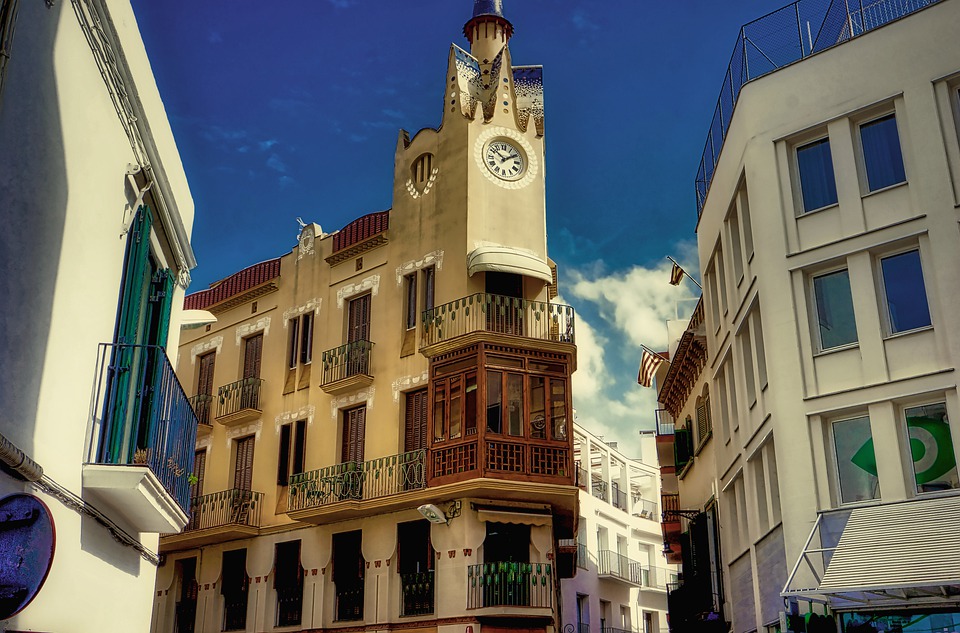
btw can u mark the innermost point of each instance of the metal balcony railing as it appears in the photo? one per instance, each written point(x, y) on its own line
point(235, 611)
point(141, 416)
point(349, 601)
point(617, 565)
point(495, 313)
point(583, 477)
point(185, 616)
point(669, 503)
point(657, 577)
point(358, 480)
point(227, 507)
point(780, 38)
point(598, 488)
point(508, 584)
point(290, 604)
point(646, 509)
point(416, 593)
point(239, 396)
point(352, 359)
point(618, 498)
point(665, 423)
point(201, 405)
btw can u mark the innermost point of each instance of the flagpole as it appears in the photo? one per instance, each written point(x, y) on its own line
point(686, 274)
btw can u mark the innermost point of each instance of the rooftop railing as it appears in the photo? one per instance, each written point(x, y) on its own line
point(371, 479)
point(780, 38)
point(483, 312)
point(142, 417)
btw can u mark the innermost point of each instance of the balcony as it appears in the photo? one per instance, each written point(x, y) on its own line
point(416, 593)
point(617, 566)
point(222, 516)
point(201, 404)
point(143, 434)
point(618, 498)
point(510, 320)
point(598, 488)
point(645, 509)
point(508, 584)
point(185, 613)
point(657, 577)
point(239, 402)
point(347, 368)
point(502, 459)
point(315, 495)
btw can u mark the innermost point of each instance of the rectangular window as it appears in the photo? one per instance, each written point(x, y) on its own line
point(283, 460)
point(835, 318)
point(288, 583)
point(856, 461)
point(721, 280)
point(515, 404)
point(931, 448)
point(410, 283)
point(252, 354)
point(538, 412)
point(818, 186)
point(558, 408)
point(759, 347)
point(348, 572)
point(354, 431)
point(294, 326)
point(746, 349)
point(415, 420)
point(429, 276)
point(234, 586)
point(904, 291)
point(494, 401)
point(290, 460)
point(455, 408)
point(882, 157)
point(439, 411)
point(299, 447)
point(306, 338)
point(243, 463)
point(743, 202)
point(358, 319)
point(415, 560)
point(470, 405)
point(733, 231)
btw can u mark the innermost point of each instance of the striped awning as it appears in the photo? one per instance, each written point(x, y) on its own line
point(893, 553)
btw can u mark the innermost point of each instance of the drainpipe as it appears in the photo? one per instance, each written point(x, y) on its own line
point(18, 461)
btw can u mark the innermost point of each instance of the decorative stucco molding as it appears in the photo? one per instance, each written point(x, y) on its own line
point(371, 283)
point(247, 329)
point(348, 400)
point(215, 343)
point(412, 188)
point(310, 306)
point(204, 443)
point(253, 428)
point(286, 417)
point(434, 258)
point(406, 382)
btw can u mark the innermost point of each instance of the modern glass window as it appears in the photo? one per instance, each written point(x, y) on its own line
point(835, 319)
point(818, 187)
point(856, 460)
point(904, 292)
point(882, 158)
point(931, 448)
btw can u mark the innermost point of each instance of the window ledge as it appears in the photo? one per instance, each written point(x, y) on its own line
point(836, 350)
point(896, 335)
point(882, 189)
point(807, 214)
point(703, 442)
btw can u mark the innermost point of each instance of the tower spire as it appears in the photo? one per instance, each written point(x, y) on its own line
point(487, 31)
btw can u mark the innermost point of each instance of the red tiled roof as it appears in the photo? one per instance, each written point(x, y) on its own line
point(361, 229)
point(233, 285)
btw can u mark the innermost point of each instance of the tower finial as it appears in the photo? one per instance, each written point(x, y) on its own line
point(487, 31)
point(488, 7)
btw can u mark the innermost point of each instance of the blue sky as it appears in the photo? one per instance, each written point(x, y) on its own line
point(292, 108)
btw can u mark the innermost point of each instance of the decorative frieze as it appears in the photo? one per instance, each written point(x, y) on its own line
point(201, 348)
point(406, 383)
point(371, 283)
point(434, 258)
point(260, 325)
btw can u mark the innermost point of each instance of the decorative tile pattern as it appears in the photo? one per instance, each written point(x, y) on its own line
point(303, 413)
point(261, 325)
point(469, 81)
point(492, 86)
point(371, 283)
point(407, 382)
point(434, 258)
point(351, 399)
point(528, 84)
point(215, 343)
point(310, 306)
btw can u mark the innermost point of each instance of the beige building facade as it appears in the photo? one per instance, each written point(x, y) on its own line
point(97, 433)
point(828, 241)
point(385, 411)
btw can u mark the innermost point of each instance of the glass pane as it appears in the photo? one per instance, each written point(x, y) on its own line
point(494, 402)
point(931, 448)
point(835, 318)
point(538, 417)
point(438, 402)
point(882, 159)
point(470, 406)
point(856, 461)
point(454, 408)
point(906, 294)
point(515, 404)
point(818, 187)
point(558, 413)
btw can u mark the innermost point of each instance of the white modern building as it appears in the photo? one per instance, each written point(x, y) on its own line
point(622, 577)
point(829, 248)
point(96, 435)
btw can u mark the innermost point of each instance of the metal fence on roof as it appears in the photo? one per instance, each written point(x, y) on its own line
point(783, 37)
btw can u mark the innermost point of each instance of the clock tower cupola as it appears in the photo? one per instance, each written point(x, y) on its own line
point(487, 31)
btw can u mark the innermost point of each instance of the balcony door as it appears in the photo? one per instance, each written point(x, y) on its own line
point(205, 387)
point(243, 467)
point(505, 306)
point(354, 423)
point(506, 542)
point(358, 333)
point(415, 421)
point(252, 355)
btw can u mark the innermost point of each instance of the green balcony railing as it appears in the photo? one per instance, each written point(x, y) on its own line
point(352, 359)
point(201, 405)
point(227, 507)
point(417, 593)
point(239, 396)
point(483, 312)
point(358, 480)
point(509, 584)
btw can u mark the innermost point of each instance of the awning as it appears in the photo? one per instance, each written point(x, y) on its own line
point(505, 259)
point(888, 554)
point(516, 515)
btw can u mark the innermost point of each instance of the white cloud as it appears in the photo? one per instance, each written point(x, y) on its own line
point(274, 163)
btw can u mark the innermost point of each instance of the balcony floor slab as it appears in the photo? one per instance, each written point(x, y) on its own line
point(135, 494)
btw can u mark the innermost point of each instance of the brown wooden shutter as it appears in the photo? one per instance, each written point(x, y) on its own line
point(415, 421)
point(243, 470)
point(294, 325)
point(283, 459)
point(359, 320)
point(299, 446)
point(252, 352)
point(205, 382)
point(354, 422)
point(199, 466)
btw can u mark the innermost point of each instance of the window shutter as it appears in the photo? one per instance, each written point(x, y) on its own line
point(702, 422)
point(283, 460)
point(243, 471)
point(252, 352)
point(359, 320)
point(294, 325)
point(199, 466)
point(205, 382)
point(428, 283)
point(136, 274)
point(353, 433)
point(299, 446)
point(306, 339)
point(415, 421)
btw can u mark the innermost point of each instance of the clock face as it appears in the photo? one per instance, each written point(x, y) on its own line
point(504, 160)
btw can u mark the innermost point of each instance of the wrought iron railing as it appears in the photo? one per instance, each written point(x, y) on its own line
point(613, 629)
point(669, 505)
point(185, 616)
point(508, 584)
point(239, 396)
point(618, 498)
point(613, 564)
point(780, 38)
point(352, 359)
point(349, 602)
point(141, 416)
point(235, 611)
point(646, 509)
point(416, 593)
point(201, 405)
point(495, 313)
point(290, 604)
point(371, 479)
point(227, 507)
